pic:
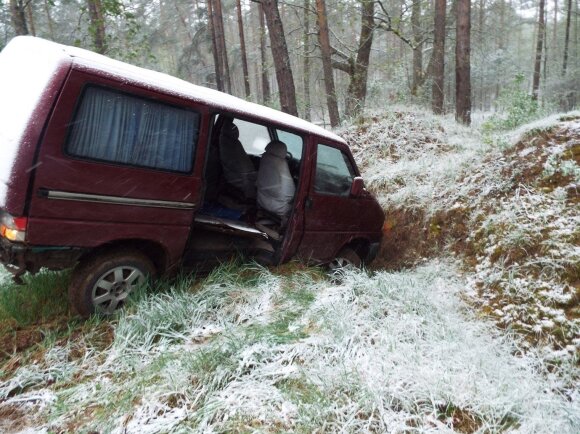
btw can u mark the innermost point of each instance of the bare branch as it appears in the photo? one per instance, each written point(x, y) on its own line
point(342, 66)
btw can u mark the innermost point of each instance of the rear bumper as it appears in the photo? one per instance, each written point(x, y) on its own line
point(20, 258)
point(10, 253)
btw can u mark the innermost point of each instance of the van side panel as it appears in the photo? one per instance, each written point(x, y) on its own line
point(82, 203)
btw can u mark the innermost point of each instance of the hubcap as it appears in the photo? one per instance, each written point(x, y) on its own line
point(113, 287)
point(339, 264)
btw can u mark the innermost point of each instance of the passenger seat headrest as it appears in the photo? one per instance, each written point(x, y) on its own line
point(277, 148)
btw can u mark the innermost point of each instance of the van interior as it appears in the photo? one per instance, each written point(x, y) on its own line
point(251, 178)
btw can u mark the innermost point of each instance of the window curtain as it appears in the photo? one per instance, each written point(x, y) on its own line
point(120, 128)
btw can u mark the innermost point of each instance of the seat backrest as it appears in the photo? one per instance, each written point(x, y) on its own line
point(238, 168)
point(275, 184)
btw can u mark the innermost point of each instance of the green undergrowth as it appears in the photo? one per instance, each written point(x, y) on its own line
point(515, 107)
point(42, 297)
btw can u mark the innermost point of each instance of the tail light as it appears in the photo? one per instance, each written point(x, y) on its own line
point(13, 228)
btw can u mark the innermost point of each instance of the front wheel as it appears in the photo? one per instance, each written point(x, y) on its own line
point(102, 283)
point(346, 258)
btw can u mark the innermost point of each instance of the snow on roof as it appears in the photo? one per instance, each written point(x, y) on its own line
point(172, 85)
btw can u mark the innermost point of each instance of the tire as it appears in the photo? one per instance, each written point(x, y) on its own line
point(346, 258)
point(264, 258)
point(101, 284)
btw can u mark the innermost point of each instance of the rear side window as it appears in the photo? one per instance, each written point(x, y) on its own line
point(334, 172)
point(115, 127)
point(254, 137)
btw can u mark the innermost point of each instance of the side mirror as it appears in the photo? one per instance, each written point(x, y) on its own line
point(357, 187)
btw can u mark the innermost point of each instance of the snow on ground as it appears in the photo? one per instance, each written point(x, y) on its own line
point(295, 351)
point(4, 275)
point(507, 204)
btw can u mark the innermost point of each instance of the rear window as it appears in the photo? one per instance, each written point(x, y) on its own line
point(116, 127)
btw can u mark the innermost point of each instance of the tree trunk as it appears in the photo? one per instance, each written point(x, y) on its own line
point(215, 47)
point(357, 89)
point(417, 47)
point(545, 72)
point(49, 20)
point(266, 95)
point(221, 42)
point(281, 57)
point(97, 27)
point(462, 62)
point(480, 42)
point(500, 45)
point(439, 57)
point(539, 48)
point(567, 37)
point(30, 19)
point(243, 49)
point(555, 27)
point(325, 50)
point(306, 64)
point(18, 17)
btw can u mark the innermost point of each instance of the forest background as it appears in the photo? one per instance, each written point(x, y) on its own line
point(328, 60)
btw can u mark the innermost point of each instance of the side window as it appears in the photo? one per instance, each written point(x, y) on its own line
point(293, 142)
point(334, 172)
point(254, 137)
point(115, 127)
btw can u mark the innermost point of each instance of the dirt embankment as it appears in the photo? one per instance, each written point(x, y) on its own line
point(514, 220)
point(538, 161)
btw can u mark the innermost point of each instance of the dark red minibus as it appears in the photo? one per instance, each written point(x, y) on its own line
point(125, 173)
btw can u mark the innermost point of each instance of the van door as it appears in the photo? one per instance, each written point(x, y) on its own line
point(332, 216)
point(118, 162)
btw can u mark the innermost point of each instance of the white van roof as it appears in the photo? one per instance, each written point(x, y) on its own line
point(88, 60)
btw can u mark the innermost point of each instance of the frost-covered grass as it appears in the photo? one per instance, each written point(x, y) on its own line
point(413, 158)
point(250, 350)
point(528, 254)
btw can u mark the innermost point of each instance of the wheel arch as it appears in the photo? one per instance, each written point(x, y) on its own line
point(361, 246)
point(154, 251)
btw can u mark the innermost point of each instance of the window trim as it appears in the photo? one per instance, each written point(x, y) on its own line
point(77, 107)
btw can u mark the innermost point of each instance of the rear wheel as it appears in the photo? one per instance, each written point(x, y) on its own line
point(102, 283)
point(346, 258)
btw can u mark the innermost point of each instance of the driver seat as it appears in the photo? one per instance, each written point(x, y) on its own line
point(238, 169)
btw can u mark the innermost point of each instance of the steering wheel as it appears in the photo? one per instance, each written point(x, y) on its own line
point(289, 157)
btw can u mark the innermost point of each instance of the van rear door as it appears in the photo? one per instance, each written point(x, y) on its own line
point(32, 73)
point(118, 162)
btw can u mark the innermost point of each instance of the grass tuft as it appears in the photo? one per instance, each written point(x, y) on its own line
point(41, 298)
